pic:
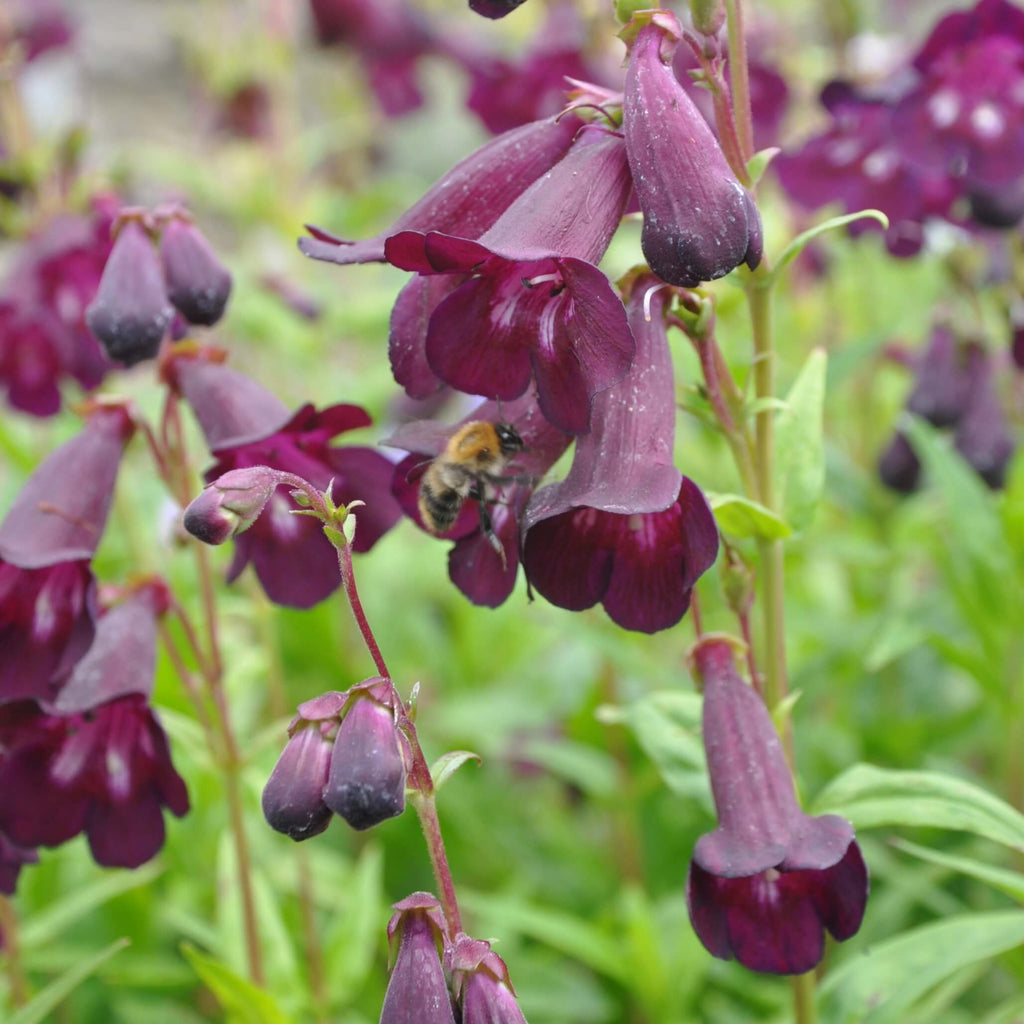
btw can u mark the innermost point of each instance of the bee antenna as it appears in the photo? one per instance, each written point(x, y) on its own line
point(501, 414)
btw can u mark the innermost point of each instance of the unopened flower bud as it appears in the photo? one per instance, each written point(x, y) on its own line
point(417, 992)
point(231, 504)
point(130, 313)
point(482, 984)
point(708, 16)
point(197, 282)
point(899, 467)
point(367, 778)
point(293, 801)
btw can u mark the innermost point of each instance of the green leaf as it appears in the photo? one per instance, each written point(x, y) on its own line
point(871, 796)
point(880, 984)
point(795, 247)
point(758, 163)
point(740, 517)
point(242, 1001)
point(799, 432)
point(40, 1007)
point(448, 764)
point(1009, 882)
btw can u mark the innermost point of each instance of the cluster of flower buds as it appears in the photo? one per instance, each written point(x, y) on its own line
point(441, 979)
point(766, 885)
point(143, 285)
point(954, 388)
point(80, 748)
point(949, 126)
point(249, 429)
point(346, 755)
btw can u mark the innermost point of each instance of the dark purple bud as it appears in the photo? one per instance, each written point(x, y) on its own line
point(197, 282)
point(130, 313)
point(494, 9)
point(366, 784)
point(417, 992)
point(470, 197)
point(625, 528)
point(699, 221)
point(982, 434)
point(943, 384)
point(899, 467)
point(231, 504)
point(481, 982)
point(293, 798)
point(765, 886)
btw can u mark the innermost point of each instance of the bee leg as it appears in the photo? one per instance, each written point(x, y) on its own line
point(487, 528)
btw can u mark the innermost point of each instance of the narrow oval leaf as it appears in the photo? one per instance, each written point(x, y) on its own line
point(871, 796)
point(1009, 882)
point(800, 443)
point(795, 247)
point(887, 977)
point(740, 517)
point(448, 764)
point(243, 1002)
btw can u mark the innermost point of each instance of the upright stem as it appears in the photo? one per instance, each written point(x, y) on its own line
point(739, 77)
point(805, 1009)
point(348, 581)
point(426, 808)
point(12, 953)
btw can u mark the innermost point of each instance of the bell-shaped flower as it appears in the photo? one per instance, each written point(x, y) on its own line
point(481, 983)
point(198, 284)
point(982, 432)
point(699, 221)
point(366, 781)
point(417, 992)
point(293, 798)
point(470, 197)
point(899, 468)
point(530, 303)
point(770, 880)
point(231, 504)
point(130, 313)
point(246, 426)
point(47, 540)
point(96, 759)
point(943, 384)
point(625, 528)
point(486, 577)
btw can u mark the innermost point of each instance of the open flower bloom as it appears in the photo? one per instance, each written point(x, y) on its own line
point(625, 527)
point(95, 760)
point(245, 425)
point(528, 302)
point(481, 983)
point(47, 540)
point(473, 564)
point(470, 197)
point(699, 221)
point(767, 883)
point(417, 992)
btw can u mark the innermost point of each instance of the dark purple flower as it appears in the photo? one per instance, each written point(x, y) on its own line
point(245, 426)
point(366, 782)
point(417, 992)
point(470, 197)
point(966, 113)
point(12, 857)
point(30, 362)
point(473, 564)
point(293, 798)
point(37, 26)
point(899, 468)
point(625, 528)
point(505, 94)
point(767, 883)
point(861, 162)
point(943, 385)
point(699, 221)
point(95, 759)
point(481, 983)
point(47, 539)
point(982, 432)
point(494, 9)
point(530, 302)
point(130, 313)
point(197, 282)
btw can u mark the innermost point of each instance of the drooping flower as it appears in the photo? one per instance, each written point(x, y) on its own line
point(47, 540)
point(770, 880)
point(470, 197)
point(473, 564)
point(699, 221)
point(481, 983)
point(198, 284)
point(982, 432)
point(417, 992)
point(95, 759)
point(246, 426)
point(943, 383)
point(529, 302)
point(625, 528)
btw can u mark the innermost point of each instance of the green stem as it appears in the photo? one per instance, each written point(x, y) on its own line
point(739, 77)
point(426, 808)
point(805, 1009)
point(12, 953)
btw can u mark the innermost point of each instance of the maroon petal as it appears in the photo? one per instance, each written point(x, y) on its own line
point(840, 894)
point(407, 340)
point(33, 810)
point(473, 567)
point(363, 474)
point(125, 835)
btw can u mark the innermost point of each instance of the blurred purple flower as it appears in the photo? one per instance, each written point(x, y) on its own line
point(95, 759)
point(944, 380)
point(473, 565)
point(481, 983)
point(699, 221)
point(47, 539)
point(625, 528)
point(764, 886)
point(198, 284)
point(529, 302)
point(37, 26)
point(861, 162)
point(899, 468)
point(982, 432)
point(417, 992)
point(245, 425)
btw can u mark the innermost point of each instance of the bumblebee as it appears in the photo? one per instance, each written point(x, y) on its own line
point(470, 466)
